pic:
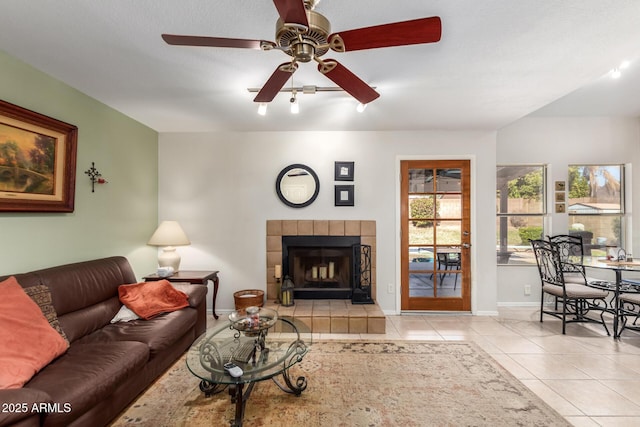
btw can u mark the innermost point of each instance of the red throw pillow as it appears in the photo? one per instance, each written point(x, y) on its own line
point(29, 343)
point(148, 299)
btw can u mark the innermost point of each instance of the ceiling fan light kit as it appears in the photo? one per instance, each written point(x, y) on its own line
point(305, 35)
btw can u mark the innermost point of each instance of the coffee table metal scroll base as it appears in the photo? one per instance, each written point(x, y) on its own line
point(236, 390)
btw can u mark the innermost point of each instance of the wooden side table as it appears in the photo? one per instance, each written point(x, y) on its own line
point(197, 277)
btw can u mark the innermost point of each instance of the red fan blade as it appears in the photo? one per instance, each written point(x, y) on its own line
point(212, 41)
point(417, 31)
point(292, 11)
point(348, 81)
point(276, 82)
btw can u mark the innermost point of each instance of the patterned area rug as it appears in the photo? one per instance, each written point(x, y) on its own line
point(360, 384)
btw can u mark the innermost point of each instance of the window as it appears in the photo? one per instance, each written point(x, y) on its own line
point(596, 206)
point(521, 209)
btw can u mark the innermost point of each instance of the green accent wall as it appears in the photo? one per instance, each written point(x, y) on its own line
point(119, 217)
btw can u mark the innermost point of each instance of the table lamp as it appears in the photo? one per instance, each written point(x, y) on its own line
point(169, 234)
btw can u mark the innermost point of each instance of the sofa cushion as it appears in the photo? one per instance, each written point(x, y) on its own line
point(28, 341)
point(40, 295)
point(159, 333)
point(89, 319)
point(87, 374)
point(148, 299)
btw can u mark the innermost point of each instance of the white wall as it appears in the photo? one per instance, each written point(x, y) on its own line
point(119, 217)
point(559, 142)
point(221, 188)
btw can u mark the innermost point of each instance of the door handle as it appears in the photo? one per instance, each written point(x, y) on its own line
point(465, 233)
point(466, 245)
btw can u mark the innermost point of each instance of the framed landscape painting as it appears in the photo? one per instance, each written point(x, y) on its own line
point(37, 161)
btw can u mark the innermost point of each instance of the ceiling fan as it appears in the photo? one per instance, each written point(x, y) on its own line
point(305, 35)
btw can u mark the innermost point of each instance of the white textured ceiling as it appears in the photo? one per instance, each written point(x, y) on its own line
point(498, 61)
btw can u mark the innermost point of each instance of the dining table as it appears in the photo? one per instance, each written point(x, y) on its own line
point(617, 287)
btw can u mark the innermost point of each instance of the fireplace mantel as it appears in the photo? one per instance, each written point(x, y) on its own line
point(365, 229)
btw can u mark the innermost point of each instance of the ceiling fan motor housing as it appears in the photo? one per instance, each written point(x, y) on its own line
point(304, 45)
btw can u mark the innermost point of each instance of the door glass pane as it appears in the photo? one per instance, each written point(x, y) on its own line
point(421, 285)
point(421, 258)
point(422, 207)
point(449, 206)
point(420, 181)
point(448, 181)
point(449, 232)
point(420, 235)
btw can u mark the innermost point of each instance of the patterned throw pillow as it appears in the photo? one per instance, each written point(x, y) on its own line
point(29, 343)
point(41, 295)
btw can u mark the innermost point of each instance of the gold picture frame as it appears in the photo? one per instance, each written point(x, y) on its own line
point(560, 186)
point(560, 208)
point(37, 161)
point(560, 197)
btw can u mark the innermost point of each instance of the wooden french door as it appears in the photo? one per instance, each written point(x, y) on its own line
point(436, 235)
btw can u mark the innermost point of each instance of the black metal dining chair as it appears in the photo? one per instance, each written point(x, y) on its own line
point(629, 306)
point(448, 261)
point(567, 246)
point(577, 299)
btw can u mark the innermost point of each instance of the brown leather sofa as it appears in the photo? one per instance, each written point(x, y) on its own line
point(107, 365)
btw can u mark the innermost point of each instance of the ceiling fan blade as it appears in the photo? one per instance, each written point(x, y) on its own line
point(173, 39)
point(276, 82)
point(348, 81)
point(416, 31)
point(292, 12)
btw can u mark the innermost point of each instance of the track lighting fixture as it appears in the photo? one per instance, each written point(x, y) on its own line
point(295, 107)
point(307, 90)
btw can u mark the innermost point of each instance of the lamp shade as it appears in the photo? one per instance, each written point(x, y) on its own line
point(169, 234)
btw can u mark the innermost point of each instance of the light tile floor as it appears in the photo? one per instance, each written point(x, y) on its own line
point(587, 376)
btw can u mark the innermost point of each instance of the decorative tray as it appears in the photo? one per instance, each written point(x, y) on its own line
point(251, 320)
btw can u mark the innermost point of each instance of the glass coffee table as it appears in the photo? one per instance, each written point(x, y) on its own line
point(264, 347)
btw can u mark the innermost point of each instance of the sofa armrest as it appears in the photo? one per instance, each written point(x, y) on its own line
point(195, 293)
point(20, 404)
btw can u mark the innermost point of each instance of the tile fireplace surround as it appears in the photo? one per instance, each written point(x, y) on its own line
point(325, 316)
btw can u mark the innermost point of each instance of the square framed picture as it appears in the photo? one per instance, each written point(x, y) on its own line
point(560, 208)
point(344, 195)
point(344, 171)
point(560, 197)
point(560, 186)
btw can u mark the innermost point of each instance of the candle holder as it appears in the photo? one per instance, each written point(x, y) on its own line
point(277, 273)
point(286, 292)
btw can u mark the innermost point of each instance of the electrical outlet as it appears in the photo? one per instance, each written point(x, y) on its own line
point(527, 289)
point(390, 288)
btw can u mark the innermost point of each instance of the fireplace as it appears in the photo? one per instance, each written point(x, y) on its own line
point(355, 277)
point(321, 267)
